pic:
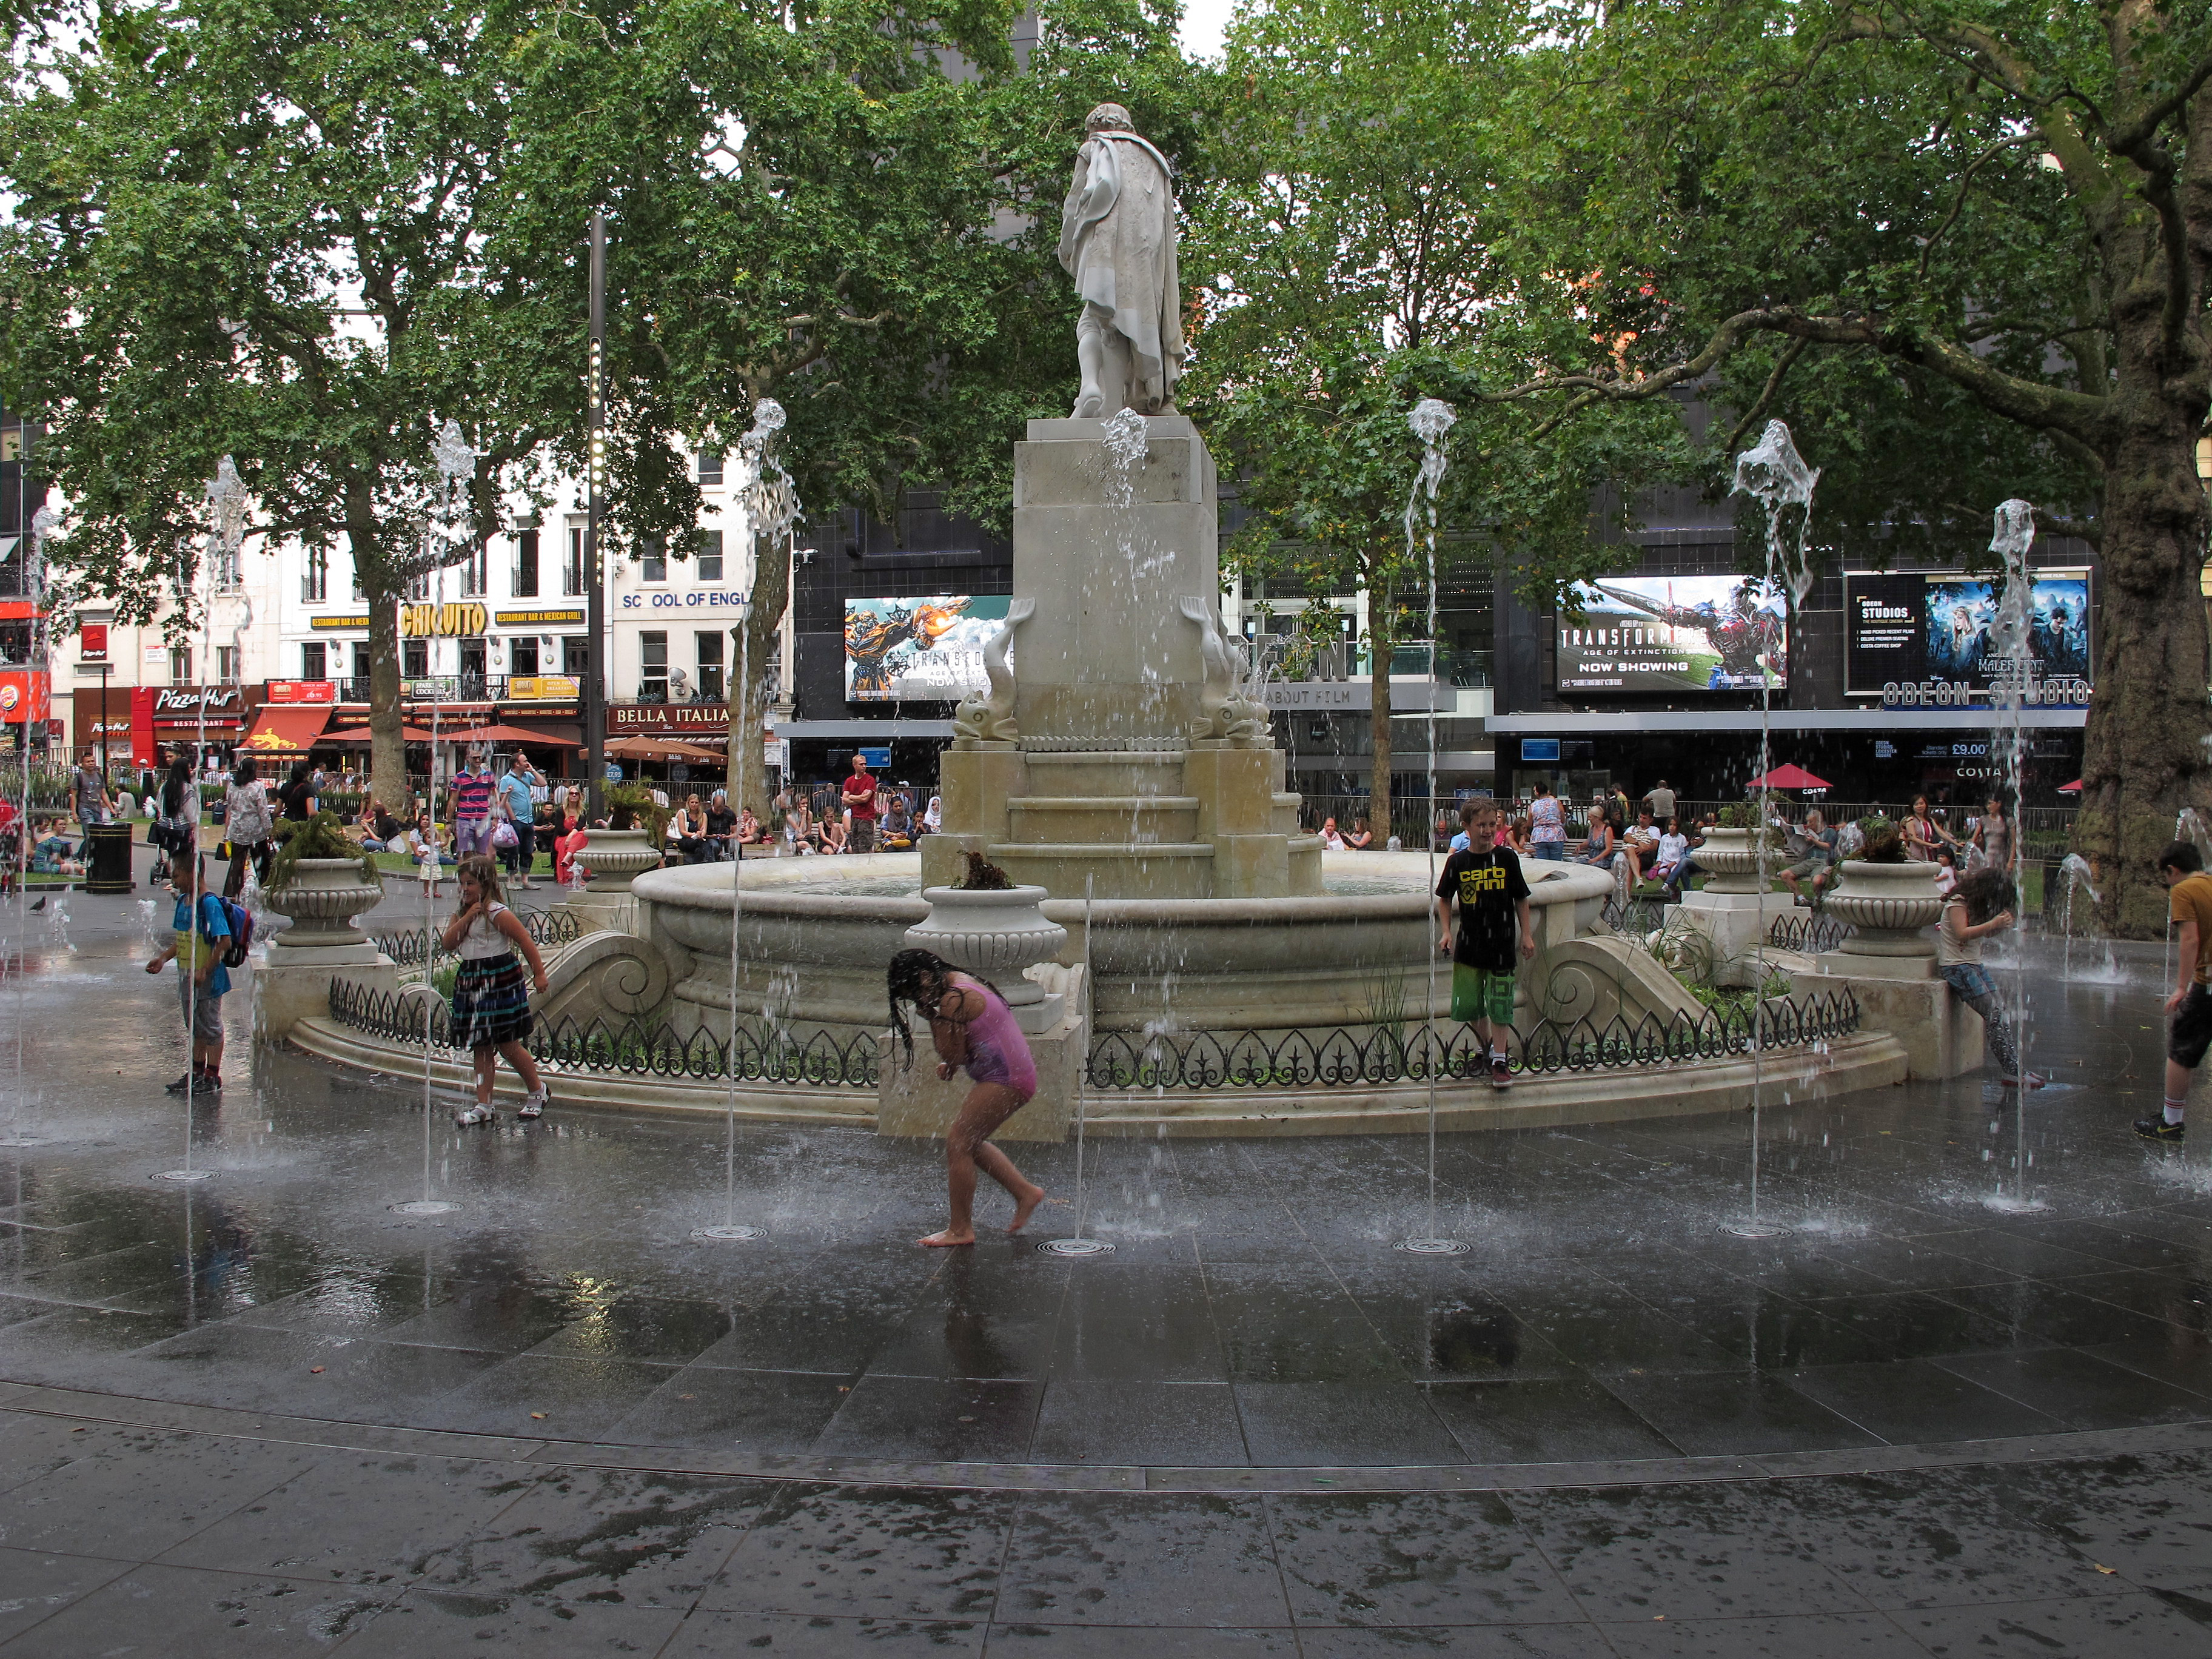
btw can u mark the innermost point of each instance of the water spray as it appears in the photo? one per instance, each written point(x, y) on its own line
point(1773, 474)
point(1079, 1246)
point(1431, 421)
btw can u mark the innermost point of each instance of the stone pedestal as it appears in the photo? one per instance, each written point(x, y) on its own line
point(1735, 922)
point(912, 1101)
point(294, 983)
point(1907, 998)
point(1139, 770)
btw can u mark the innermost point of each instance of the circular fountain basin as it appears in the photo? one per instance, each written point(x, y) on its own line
point(814, 935)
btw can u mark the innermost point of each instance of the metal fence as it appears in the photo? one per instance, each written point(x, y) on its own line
point(548, 929)
point(1356, 1055)
point(628, 1047)
point(1339, 1057)
point(1809, 930)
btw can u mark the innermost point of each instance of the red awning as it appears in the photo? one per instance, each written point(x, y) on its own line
point(286, 728)
point(1788, 776)
point(506, 737)
point(2072, 789)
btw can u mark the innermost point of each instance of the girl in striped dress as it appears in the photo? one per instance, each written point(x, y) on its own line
point(491, 1000)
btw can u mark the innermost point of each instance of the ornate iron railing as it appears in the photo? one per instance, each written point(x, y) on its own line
point(1640, 915)
point(627, 1048)
point(547, 930)
point(1348, 1056)
point(1339, 1057)
point(1809, 930)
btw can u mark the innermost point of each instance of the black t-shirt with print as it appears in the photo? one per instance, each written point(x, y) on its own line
point(1489, 886)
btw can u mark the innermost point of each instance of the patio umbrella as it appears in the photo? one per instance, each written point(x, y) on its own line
point(2072, 789)
point(663, 749)
point(1788, 776)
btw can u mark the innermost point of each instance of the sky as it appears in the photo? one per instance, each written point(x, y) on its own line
point(1203, 24)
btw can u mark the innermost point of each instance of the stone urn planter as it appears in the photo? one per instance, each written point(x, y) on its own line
point(613, 859)
point(1891, 905)
point(322, 899)
point(995, 935)
point(1732, 862)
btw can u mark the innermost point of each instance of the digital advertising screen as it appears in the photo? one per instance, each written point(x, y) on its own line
point(920, 650)
point(1928, 640)
point(1673, 635)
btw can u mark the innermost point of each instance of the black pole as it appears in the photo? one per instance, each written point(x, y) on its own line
point(595, 473)
point(104, 667)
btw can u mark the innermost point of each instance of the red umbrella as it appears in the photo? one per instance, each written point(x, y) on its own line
point(1789, 776)
point(2072, 789)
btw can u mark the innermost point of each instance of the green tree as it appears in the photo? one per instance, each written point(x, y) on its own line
point(1990, 226)
point(288, 236)
point(1361, 243)
point(868, 242)
point(306, 237)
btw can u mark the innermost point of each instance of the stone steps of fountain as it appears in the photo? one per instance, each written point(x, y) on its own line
point(1103, 820)
point(1081, 773)
point(1145, 870)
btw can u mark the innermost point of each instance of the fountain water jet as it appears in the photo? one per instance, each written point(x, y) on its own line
point(1431, 421)
point(1773, 474)
point(2011, 665)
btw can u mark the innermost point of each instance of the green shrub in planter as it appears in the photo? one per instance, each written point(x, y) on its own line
point(321, 836)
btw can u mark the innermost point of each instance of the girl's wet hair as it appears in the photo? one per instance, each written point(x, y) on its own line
point(479, 868)
point(1985, 892)
point(920, 977)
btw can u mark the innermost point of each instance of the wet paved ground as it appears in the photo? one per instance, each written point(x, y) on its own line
point(265, 1413)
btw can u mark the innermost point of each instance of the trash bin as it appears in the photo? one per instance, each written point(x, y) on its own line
point(107, 859)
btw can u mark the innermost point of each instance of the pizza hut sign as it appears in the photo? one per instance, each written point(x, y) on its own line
point(187, 700)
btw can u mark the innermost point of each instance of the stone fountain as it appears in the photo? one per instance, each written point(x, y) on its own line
point(1121, 772)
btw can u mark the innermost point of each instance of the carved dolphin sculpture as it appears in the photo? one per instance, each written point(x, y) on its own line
point(991, 719)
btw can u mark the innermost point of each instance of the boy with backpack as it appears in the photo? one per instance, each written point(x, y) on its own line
point(209, 934)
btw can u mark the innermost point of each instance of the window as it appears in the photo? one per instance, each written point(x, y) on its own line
point(472, 667)
point(361, 660)
point(652, 554)
point(180, 665)
point(526, 564)
point(571, 579)
point(710, 555)
point(315, 579)
point(419, 587)
point(413, 659)
point(474, 574)
point(312, 661)
point(710, 466)
point(357, 591)
point(226, 663)
point(652, 667)
point(576, 655)
point(710, 665)
point(522, 656)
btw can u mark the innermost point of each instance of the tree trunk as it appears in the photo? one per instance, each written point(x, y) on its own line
point(2145, 753)
point(387, 754)
point(1382, 640)
point(751, 641)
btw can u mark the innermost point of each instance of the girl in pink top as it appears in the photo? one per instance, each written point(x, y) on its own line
point(971, 1028)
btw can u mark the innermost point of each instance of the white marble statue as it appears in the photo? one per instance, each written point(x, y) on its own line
point(1117, 239)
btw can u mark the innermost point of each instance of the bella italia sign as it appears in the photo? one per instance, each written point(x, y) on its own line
point(422, 622)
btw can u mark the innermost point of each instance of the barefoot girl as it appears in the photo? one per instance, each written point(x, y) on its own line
point(491, 1007)
point(971, 1026)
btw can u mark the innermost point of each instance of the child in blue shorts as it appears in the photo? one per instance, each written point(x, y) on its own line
point(1493, 895)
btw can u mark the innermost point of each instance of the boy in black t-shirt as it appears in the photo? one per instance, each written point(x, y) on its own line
point(1493, 918)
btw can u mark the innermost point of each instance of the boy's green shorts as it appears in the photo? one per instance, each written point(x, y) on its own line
point(1482, 994)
